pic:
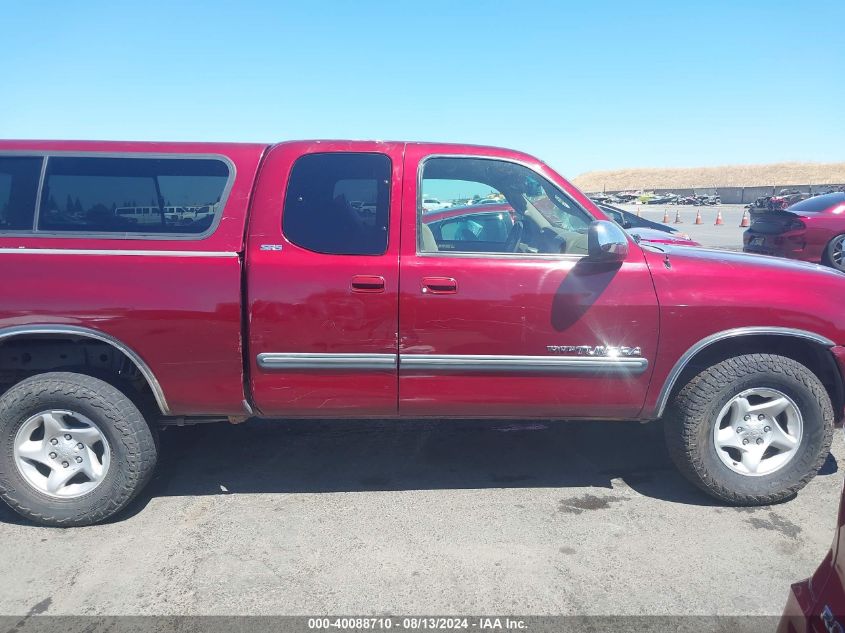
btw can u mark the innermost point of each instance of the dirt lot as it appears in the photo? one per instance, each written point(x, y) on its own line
point(421, 518)
point(784, 174)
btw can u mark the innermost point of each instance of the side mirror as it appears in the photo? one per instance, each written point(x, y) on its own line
point(606, 242)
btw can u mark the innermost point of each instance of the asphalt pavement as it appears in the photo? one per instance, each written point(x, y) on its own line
point(708, 233)
point(373, 518)
point(369, 518)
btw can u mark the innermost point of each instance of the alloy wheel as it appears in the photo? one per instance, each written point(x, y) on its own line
point(758, 432)
point(61, 453)
point(837, 253)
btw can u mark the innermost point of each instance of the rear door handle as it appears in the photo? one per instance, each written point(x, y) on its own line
point(439, 286)
point(367, 283)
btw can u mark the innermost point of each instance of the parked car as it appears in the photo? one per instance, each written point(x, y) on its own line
point(644, 230)
point(286, 301)
point(817, 604)
point(430, 203)
point(786, 198)
point(812, 230)
point(689, 200)
point(759, 206)
point(470, 227)
point(700, 200)
point(625, 196)
point(662, 198)
point(600, 198)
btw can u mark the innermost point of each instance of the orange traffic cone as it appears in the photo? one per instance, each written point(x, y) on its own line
point(746, 221)
point(678, 217)
point(698, 219)
point(719, 220)
point(665, 216)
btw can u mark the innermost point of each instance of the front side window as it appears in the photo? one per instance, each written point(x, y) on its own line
point(494, 206)
point(338, 203)
point(132, 195)
point(18, 190)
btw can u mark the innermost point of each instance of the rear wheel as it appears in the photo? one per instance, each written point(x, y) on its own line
point(74, 450)
point(752, 429)
point(834, 253)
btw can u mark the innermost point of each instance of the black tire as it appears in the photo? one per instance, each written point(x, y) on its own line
point(690, 419)
point(828, 258)
point(131, 442)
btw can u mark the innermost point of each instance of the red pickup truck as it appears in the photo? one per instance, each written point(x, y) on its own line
point(147, 284)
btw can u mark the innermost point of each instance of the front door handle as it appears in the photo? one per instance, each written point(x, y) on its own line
point(367, 283)
point(439, 286)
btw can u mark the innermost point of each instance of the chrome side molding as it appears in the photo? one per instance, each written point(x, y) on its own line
point(523, 364)
point(289, 361)
point(454, 363)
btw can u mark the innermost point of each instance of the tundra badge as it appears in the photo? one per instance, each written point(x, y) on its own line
point(594, 350)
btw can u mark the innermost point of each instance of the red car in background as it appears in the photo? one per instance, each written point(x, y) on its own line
point(786, 198)
point(817, 604)
point(812, 230)
point(470, 228)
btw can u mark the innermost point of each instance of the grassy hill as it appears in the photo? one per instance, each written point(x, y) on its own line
point(725, 176)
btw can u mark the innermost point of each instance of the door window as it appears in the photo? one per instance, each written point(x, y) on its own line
point(495, 206)
point(18, 189)
point(338, 203)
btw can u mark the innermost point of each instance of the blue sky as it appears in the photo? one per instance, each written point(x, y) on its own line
point(587, 85)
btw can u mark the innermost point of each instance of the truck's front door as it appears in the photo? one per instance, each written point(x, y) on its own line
point(501, 314)
point(322, 278)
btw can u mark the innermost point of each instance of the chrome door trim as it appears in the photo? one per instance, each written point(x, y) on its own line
point(84, 332)
point(522, 364)
point(563, 257)
point(683, 361)
point(453, 363)
point(104, 251)
point(307, 361)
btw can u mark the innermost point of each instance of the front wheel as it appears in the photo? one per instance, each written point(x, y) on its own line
point(751, 430)
point(74, 450)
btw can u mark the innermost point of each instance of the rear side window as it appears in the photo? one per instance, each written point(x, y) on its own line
point(338, 203)
point(132, 195)
point(18, 189)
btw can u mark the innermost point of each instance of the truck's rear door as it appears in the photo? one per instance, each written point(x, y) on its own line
point(322, 278)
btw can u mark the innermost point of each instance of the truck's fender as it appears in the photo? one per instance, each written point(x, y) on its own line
point(84, 332)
